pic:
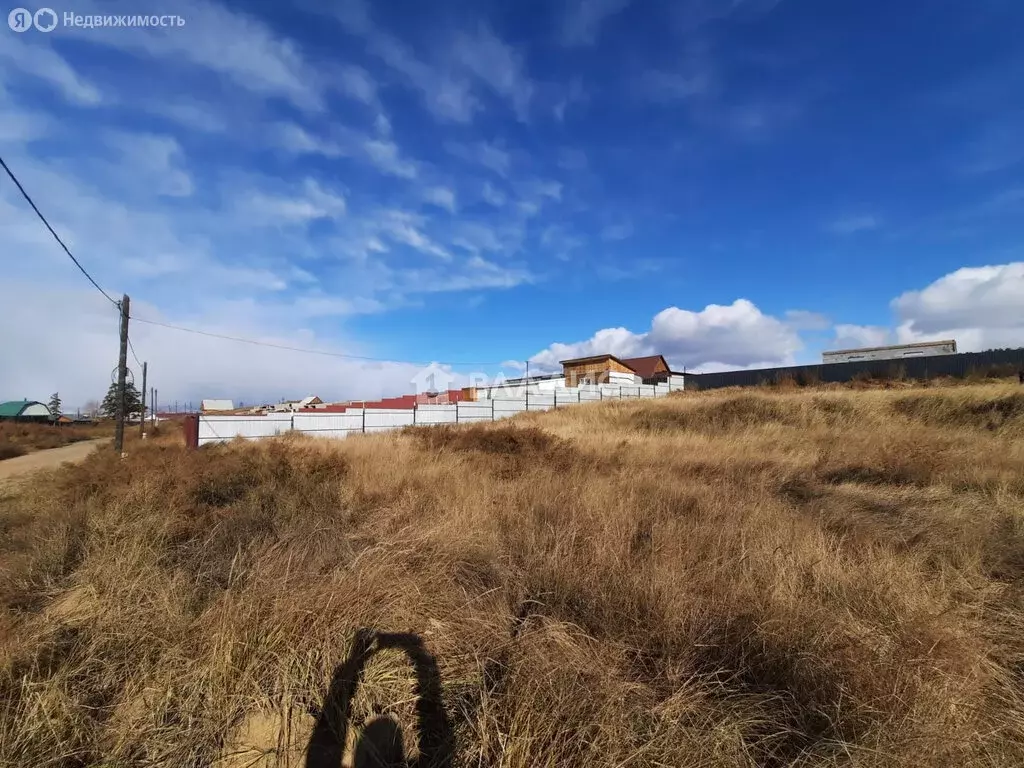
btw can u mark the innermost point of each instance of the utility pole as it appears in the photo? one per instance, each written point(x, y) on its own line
point(122, 375)
point(142, 416)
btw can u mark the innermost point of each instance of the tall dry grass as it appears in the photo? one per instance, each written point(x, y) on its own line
point(735, 579)
point(18, 438)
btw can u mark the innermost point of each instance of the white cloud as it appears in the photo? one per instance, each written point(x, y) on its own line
point(19, 127)
point(997, 147)
point(446, 94)
point(381, 153)
point(859, 336)
point(572, 160)
point(231, 44)
point(490, 156)
point(296, 139)
point(387, 158)
point(978, 306)
point(560, 242)
point(497, 65)
point(152, 157)
point(583, 19)
point(803, 320)
point(357, 83)
point(475, 237)
point(404, 228)
point(36, 58)
point(492, 195)
point(667, 87)
point(190, 115)
point(617, 231)
point(442, 197)
point(851, 224)
point(313, 202)
point(183, 366)
point(446, 82)
point(738, 334)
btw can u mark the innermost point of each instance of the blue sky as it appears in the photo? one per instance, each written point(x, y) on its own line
point(732, 183)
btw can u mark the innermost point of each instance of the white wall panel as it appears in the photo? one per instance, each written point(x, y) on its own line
point(435, 414)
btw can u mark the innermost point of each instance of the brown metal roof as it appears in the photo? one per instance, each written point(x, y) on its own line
point(645, 366)
point(592, 359)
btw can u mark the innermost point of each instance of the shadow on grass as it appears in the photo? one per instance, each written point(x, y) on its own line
point(380, 743)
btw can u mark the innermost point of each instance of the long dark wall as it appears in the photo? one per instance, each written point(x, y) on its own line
point(958, 366)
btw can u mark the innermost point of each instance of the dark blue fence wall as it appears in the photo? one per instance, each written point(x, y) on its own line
point(957, 366)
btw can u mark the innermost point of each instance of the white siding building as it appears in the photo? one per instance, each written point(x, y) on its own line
point(897, 352)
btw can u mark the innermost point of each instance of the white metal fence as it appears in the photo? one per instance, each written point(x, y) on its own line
point(214, 429)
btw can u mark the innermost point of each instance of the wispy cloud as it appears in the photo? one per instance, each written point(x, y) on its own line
point(312, 202)
point(492, 195)
point(667, 87)
point(497, 65)
point(571, 159)
point(472, 56)
point(619, 231)
point(189, 114)
point(853, 223)
point(386, 157)
point(152, 157)
point(804, 320)
point(381, 153)
point(490, 156)
point(442, 197)
point(404, 228)
point(560, 242)
point(39, 60)
point(256, 59)
point(583, 19)
point(997, 148)
point(858, 336)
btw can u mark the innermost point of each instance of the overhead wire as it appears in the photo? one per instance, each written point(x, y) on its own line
point(289, 348)
point(132, 348)
point(55, 235)
point(226, 337)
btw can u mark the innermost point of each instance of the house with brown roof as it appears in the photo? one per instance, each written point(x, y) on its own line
point(609, 369)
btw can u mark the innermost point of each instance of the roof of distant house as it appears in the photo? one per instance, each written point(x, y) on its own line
point(645, 367)
point(592, 359)
point(14, 408)
point(217, 405)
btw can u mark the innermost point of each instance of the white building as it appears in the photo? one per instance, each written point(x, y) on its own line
point(211, 406)
point(896, 352)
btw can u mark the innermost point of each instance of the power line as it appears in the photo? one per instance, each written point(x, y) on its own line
point(55, 235)
point(132, 348)
point(325, 353)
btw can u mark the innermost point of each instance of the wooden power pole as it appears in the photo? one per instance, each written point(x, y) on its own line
point(122, 376)
point(142, 416)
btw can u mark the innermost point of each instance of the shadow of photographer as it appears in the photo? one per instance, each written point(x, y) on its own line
point(380, 743)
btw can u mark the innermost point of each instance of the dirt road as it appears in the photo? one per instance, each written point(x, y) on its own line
point(54, 457)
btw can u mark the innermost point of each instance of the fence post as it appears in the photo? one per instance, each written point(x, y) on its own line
point(364, 418)
point(415, 408)
point(492, 409)
point(456, 413)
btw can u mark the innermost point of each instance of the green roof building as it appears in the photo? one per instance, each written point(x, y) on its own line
point(24, 410)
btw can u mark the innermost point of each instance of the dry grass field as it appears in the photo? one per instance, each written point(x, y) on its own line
point(20, 438)
point(755, 578)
